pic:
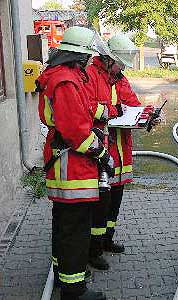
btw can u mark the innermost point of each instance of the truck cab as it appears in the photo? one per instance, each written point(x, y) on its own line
point(53, 30)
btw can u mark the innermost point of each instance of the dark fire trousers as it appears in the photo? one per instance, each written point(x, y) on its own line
point(71, 232)
point(105, 215)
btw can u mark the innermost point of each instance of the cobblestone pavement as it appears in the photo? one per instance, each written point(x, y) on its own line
point(148, 226)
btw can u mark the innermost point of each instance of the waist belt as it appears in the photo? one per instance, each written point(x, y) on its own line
point(60, 146)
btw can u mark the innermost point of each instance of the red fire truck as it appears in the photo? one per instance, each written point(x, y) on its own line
point(53, 30)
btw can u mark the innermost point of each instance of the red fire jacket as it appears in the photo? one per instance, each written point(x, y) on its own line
point(101, 95)
point(100, 92)
point(122, 93)
point(64, 105)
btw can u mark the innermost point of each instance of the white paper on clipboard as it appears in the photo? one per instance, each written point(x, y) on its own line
point(129, 118)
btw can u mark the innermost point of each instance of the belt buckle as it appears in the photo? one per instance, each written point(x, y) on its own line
point(58, 152)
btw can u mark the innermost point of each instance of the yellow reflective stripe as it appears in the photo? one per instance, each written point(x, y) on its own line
point(111, 224)
point(98, 231)
point(57, 167)
point(102, 153)
point(48, 112)
point(119, 145)
point(99, 111)
point(72, 184)
point(54, 261)
point(86, 144)
point(125, 169)
point(114, 95)
point(72, 278)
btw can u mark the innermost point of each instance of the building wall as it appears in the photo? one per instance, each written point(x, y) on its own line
point(26, 20)
point(10, 158)
point(7, 47)
point(26, 27)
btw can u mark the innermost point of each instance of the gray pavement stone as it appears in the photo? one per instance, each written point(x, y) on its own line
point(148, 226)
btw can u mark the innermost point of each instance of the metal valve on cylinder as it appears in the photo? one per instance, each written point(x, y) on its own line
point(104, 182)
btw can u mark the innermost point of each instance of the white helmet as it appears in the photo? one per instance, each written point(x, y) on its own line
point(123, 49)
point(83, 40)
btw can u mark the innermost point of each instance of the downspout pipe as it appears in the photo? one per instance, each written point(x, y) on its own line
point(20, 95)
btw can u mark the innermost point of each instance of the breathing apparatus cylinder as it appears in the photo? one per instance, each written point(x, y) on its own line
point(104, 178)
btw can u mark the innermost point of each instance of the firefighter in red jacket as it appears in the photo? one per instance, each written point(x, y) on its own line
point(105, 78)
point(71, 155)
point(121, 149)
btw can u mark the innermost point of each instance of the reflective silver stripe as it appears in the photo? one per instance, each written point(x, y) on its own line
point(73, 194)
point(105, 113)
point(64, 164)
point(122, 178)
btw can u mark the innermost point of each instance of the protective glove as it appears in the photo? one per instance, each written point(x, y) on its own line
point(107, 162)
point(99, 133)
point(119, 110)
point(153, 121)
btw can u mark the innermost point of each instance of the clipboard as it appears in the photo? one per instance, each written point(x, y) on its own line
point(133, 116)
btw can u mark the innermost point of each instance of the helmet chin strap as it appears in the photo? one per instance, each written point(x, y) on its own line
point(82, 69)
point(108, 67)
point(112, 75)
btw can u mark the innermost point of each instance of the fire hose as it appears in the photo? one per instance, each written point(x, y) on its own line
point(160, 154)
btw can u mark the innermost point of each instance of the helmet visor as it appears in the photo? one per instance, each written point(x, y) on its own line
point(125, 56)
point(100, 46)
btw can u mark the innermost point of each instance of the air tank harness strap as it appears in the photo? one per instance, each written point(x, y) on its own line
point(59, 146)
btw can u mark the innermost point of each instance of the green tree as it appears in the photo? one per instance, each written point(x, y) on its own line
point(52, 4)
point(78, 5)
point(137, 15)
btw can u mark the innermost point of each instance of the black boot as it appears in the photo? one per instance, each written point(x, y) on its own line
point(87, 295)
point(91, 295)
point(88, 273)
point(110, 246)
point(56, 279)
point(98, 263)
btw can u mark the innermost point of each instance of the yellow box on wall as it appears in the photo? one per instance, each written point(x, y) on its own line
point(31, 71)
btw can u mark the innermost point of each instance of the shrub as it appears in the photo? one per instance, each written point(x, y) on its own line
point(35, 180)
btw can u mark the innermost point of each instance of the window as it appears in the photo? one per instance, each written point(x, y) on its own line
point(59, 29)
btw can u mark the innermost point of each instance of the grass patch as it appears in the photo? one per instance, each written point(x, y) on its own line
point(137, 186)
point(152, 73)
point(35, 180)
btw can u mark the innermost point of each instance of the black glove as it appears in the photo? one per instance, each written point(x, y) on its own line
point(107, 163)
point(119, 110)
point(99, 133)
